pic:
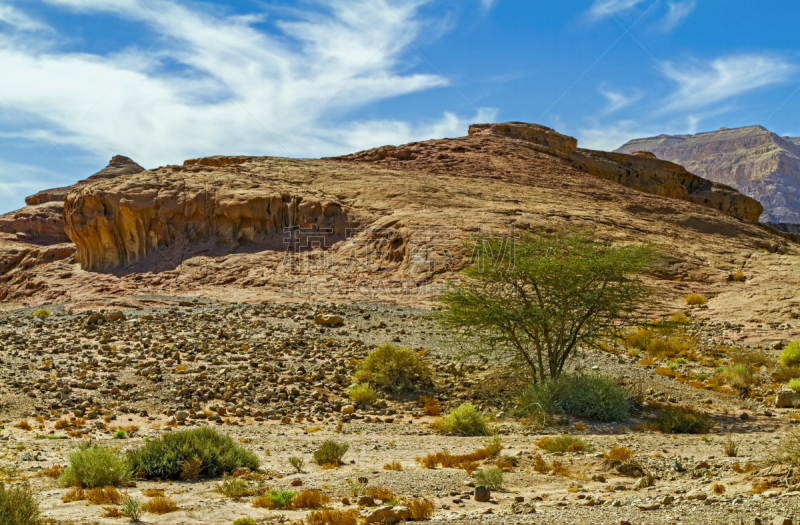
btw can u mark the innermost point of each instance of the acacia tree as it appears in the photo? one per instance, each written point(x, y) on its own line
point(536, 303)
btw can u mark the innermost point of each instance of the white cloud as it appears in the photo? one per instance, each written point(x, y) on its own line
point(488, 4)
point(677, 12)
point(611, 137)
point(18, 20)
point(617, 100)
point(603, 8)
point(238, 89)
point(700, 85)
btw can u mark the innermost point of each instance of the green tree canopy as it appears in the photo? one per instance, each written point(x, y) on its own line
point(537, 300)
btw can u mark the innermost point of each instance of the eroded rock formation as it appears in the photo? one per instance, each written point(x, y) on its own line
point(751, 159)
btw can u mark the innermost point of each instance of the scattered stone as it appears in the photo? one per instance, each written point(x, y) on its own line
point(387, 514)
point(482, 494)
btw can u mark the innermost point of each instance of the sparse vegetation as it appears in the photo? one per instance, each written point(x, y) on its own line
point(297, 463)
point(447, 460)
point(393, 465)
point(310, 499)
point(730, 447)
point(94, 466)
point(738, 277)
point(739, 375)
point(133, 508)
point(790, 355)
point(465, 420)
point(394, 368)
point(330, 453)
point(535, 305)
point(246, 520)
point(42, 313)
point(233, 488)
point(680, 420)
point(619, 454)
point(564, 443)
point(18, 505)
point(218, 453)
point(363, 394)
point(190, 469)
point(592, 397)
point(493, 445)
point(421, 508)
point(490, 477)
point(333, 517)
point(695, 299)
point(160, 505)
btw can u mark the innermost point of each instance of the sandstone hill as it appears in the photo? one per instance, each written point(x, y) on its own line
point(752, 159)
point(386, 225)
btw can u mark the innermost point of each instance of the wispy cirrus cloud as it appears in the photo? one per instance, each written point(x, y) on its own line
point(618, 100)
point(604, 8)
point(677, 12)
point(18, 20)
point(702, 84)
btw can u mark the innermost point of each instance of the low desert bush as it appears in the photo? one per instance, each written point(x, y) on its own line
point(280, 498)
point(190, 469)
point(378, 492)
point(430, 406)
point(245, 520)
point(619, 454)
point(394, 465)
point(743, 469)
point(133, 508)
point(394, 368)
point(421, 508)
point(783, 374)
point(794, 384)
point(505, 463)
point(490, 477)
point(696, 299)
point(23, 425)
point(160, 505)
point(788, 450)
point(493, 445)
point(639, 339)
point(465, 420)
point(112, 512)
point(738, 375)
point(41, 313)
point(447, 460)
point(330, 452)
point(52, 472)
point(738, 277)
point(218, 453)
point(759, 487)
point(592, 397)
point(94, 466)
point(564, 443)
point(730, 447)
point(790, 356)
point(362, 394)
point(333, 517)
point(718, 488)
point(18, 505)
point(310, 499)
point(297, 463)
point(680, 420)
point(233, 488)
point(103, 496)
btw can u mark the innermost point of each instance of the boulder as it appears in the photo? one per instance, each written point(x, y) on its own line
point(787, 399)
point(328, 320)
point(387, 514)
point(482, 493)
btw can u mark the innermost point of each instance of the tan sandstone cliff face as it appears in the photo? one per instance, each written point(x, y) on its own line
point(752, 159)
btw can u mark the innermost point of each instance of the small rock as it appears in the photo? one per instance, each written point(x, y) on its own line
point(519, 499)
point(328, 320)
point(781, 520)
point(348, 409)
point(296, 482)
point(482, 493)
point(388, 515)
point(787, 399)
point(366, 501)
point(650, 506)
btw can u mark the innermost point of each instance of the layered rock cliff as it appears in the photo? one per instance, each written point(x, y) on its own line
point(751, 159)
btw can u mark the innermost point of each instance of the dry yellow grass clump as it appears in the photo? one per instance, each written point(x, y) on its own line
point(310, 499)
point(333, 517)
point(421, 508)
point(161, 505)
point(394, 465)
point(619, 453)
point(447, 460)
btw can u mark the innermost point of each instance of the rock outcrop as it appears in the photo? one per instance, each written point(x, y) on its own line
point(40, 223)
point(751, 159)
point(118, 166)
point(639, 170)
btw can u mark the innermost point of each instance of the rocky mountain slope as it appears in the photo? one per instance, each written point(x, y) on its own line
point(751, 159)
point(387, 224)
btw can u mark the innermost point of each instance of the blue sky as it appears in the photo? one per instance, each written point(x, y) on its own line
point(166, 80)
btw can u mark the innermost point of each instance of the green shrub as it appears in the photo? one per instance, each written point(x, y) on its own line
point(564, 443)
point(738, 375)
point(281, 498)
point(233, 488)
point(466, 420)
point(790, 356)
point(794, 384)
point(120, 434)
point(363, 394)
point(490, 477)
point(330, 452)
point(218, 454)
point(695, 299)
point(493, 445)
point(41, 313)
point(133, 508)
point(394, 368)
point(94, 466)
point(297, 463)
point(592, 397)
point(247, 520)
point(18, 506)
point(681, 420)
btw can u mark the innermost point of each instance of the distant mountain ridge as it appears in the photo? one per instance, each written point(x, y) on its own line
point(752, 159)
